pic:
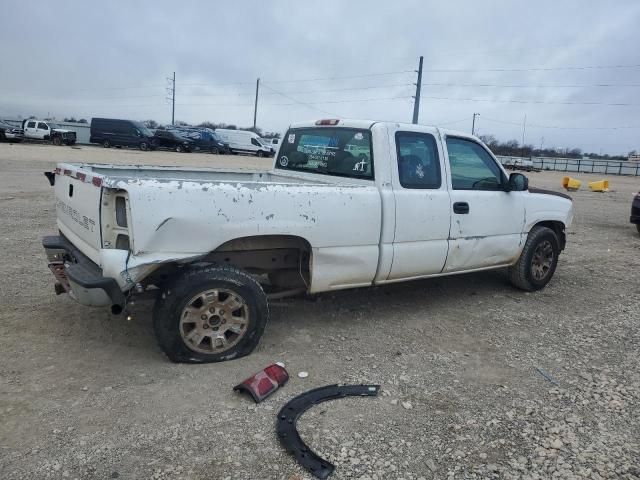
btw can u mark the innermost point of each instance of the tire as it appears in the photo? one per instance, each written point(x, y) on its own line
point(215, 151)
point(106, 144)
point(144, 146)
point(179, 149)
point(187, 337)
point(260, 154)
point(57, 141)
point(542, 248)
point(638, 227)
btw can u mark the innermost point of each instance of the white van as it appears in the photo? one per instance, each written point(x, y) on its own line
point(243, 141)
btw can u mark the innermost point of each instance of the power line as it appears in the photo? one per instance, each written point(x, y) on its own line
point(530, 86)
point(373, 99)
point(364, 75)
point(559, 127)
point(333, 90)
point(534, 69)
point(543, 102)
point(298, 101)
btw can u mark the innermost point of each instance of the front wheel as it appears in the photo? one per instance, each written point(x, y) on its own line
point(215, 150)
point(538, 260)
point(144, 146)
point(260, 153)
point(106, 144)
point(638, 227)
point(57, 141)
point(179, 149)
point(210, 314)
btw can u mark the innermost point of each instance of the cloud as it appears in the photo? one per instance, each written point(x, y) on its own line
point(71, 58)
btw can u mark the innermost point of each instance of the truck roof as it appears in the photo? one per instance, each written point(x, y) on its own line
point(366, 124)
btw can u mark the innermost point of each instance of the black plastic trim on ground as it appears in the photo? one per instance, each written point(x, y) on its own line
point(289, 414)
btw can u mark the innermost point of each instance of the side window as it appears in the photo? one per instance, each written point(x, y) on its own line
point(255, 142)
point(43, 126)
point(472, 168)
point(31, 125)
point(418, 162)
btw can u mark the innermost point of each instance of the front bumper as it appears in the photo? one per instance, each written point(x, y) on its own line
point(79, 276)
point(635, 210)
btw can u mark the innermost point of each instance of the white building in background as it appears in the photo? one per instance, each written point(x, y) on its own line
point(634, 157)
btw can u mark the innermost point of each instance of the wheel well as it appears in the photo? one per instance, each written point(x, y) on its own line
point(284, 259)
point(558, 228)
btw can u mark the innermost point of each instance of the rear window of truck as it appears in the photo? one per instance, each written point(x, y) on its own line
point(344, 152)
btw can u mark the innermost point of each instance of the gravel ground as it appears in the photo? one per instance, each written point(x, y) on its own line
point(479, 380)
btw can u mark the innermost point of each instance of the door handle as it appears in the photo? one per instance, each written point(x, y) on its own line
point(461, 207)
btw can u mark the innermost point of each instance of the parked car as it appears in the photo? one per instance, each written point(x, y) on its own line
point(422, 202)
point(204, 139)
point(519, 164)
point(47, 130)
point(9, 133)
point(172, 140)
point(635, 211)
point(112, 132)
point(244, 141)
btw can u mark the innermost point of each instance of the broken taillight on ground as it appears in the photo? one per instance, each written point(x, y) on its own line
point(264, 383)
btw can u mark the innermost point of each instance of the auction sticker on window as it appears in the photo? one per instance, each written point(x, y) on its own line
point(292, 137)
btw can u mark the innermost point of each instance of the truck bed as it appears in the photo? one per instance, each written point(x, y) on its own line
point(112, 174)
point(177, 214)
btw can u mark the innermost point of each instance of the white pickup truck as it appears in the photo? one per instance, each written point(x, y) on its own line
point(47, 130)
point(348, 203)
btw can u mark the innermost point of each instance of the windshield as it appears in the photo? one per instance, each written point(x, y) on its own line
point(344, 152)
point(143, 130)
point(53, 125)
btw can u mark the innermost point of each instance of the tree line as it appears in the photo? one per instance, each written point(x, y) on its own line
point(512, 148)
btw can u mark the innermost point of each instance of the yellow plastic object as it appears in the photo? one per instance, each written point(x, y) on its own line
point(599, 186)
point(571, 184)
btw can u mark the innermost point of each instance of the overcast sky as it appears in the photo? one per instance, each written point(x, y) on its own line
point(86, 59)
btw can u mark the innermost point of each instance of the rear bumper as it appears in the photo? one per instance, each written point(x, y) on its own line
point(79, 276)
point(635, 211)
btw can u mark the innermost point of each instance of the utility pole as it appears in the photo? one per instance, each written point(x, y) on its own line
point(524, 128)
point(255, 107)
point(416, 103)
point(473, 124)
point(172, 91)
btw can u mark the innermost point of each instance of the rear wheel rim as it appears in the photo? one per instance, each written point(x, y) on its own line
point(542, 261)
point(213, 321)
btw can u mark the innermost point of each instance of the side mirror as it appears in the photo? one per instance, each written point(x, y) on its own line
point(517, 183)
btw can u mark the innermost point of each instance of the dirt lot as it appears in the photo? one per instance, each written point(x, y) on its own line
point(479, 380)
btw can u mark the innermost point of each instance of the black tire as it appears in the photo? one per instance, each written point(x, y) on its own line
point(260, 154)
point(57, 141)
point(144, 146)
point(179, 148)
point(177, 295)
point(638, 227)
point(106, 144)
point(541, 243)
point(215, 150)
